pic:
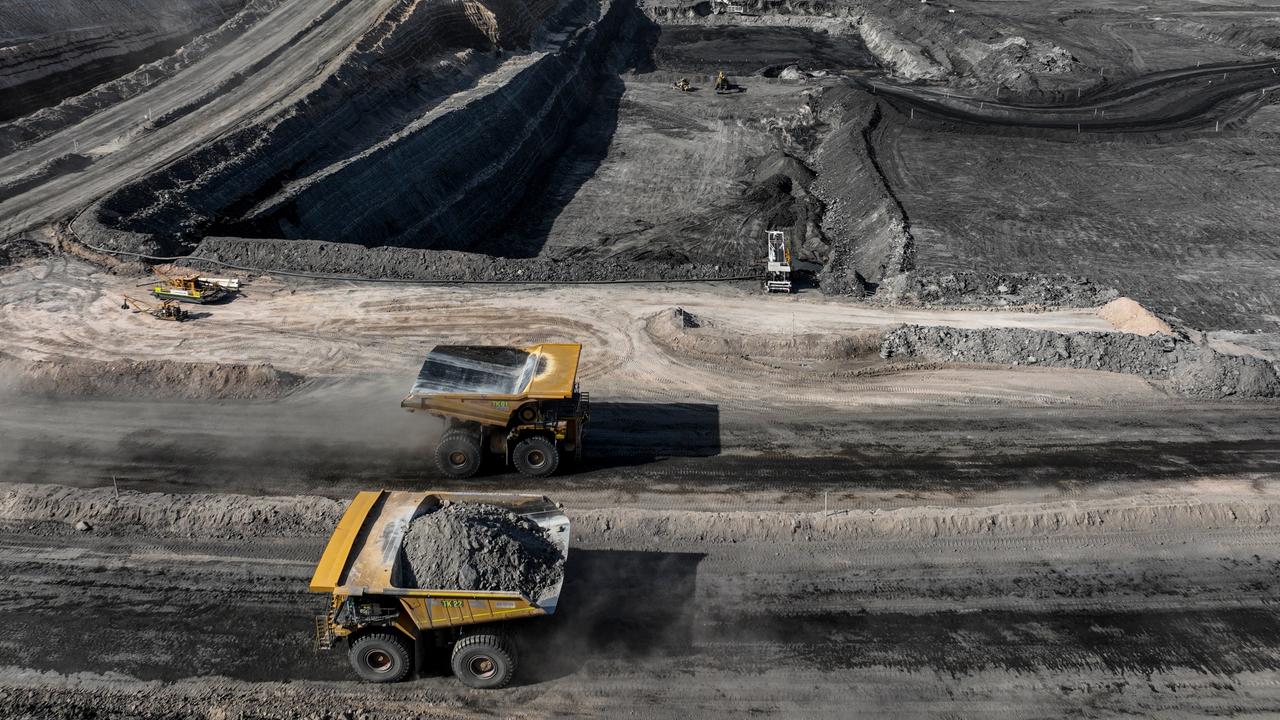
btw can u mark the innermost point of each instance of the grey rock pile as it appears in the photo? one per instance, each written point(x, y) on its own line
point(464, 546)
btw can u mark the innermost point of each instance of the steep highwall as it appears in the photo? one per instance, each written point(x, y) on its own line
point(53, 50)
point(423, 137)
point(462, 165)
point(48, 120)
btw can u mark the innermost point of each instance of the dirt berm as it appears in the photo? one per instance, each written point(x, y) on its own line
point(228, 515)
point(1184, 367)
point(74, 377)
point(465, 546)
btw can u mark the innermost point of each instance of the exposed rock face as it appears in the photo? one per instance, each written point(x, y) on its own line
point(464, 546)
point(52, 50)
point(403, 109)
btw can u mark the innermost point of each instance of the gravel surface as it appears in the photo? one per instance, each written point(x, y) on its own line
point(465, 546)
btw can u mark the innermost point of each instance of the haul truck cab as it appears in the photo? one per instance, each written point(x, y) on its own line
point(387, 627)
point(522, 404)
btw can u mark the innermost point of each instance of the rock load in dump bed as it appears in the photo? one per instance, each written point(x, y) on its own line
point(479, 547)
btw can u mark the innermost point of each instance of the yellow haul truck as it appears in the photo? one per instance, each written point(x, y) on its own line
point(387, 627)
point(520, 403)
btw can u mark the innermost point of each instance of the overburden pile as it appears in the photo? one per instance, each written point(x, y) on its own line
point(479, 547)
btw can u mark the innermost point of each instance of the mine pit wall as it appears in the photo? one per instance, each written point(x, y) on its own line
point(915, 41)
point(47, 121)
point(53, 50)
point(460, 163)
point(463, 166)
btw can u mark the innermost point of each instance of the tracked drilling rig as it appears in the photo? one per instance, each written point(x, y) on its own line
point(778, 263)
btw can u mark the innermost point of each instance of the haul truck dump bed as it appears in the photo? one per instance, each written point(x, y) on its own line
point(387, 626)
point(522, 404)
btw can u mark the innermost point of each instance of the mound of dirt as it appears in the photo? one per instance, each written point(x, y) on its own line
point(70, 377)
point(618, 526)
point(14, 250)
point(464, 546)
point(996, 289)
point(1128, 316)
point(196, 515)
point(1188, 369)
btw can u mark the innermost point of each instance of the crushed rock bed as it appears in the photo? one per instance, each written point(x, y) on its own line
point(479, 547)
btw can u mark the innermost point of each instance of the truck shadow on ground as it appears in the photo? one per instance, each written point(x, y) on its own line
point(623, 434)
point(615, 605)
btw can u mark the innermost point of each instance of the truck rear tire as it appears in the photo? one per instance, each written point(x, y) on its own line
point(458, 454)
point(536, 456)
point(380, 658)
point(484, 662)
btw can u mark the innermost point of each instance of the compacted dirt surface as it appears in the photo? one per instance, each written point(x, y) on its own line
point(767, 520)
point(1012, 451)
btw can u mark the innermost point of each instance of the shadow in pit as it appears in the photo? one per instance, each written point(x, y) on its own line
point(623, 434)
point(615, 605)
point(528, 227)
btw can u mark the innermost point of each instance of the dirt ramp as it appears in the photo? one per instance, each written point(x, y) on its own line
point(71, 377)
point(464, 546)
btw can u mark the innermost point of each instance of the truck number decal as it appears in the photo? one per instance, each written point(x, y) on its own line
point(451, 603)
point(501, 404)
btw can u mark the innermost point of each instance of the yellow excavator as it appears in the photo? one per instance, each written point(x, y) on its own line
point(166, 310)
point(723, 84)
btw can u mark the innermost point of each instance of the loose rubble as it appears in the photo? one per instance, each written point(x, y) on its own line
point(974, 289)
point(1189, 369)
point(464, 546)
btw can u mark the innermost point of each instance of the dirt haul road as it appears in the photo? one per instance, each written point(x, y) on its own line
point(1063, 541)
point(674, 425)
point(1151, 608)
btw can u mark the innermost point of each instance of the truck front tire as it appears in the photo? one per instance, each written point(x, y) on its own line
point(484, 662)
point(380, 658)
point(536, 456)
point(458, 454)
